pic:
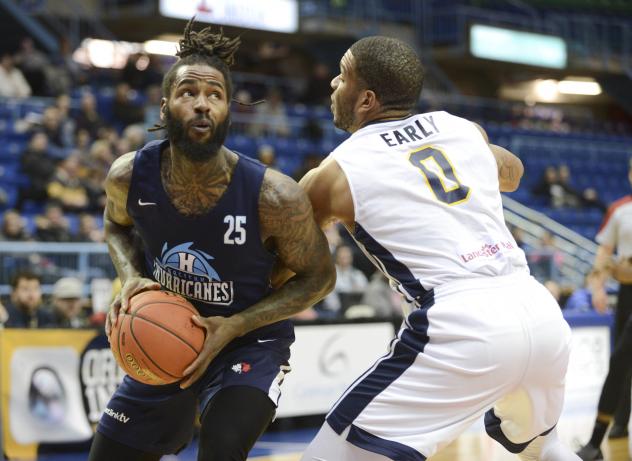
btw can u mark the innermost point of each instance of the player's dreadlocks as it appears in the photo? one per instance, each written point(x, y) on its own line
point(203, 47)
point(206, 43)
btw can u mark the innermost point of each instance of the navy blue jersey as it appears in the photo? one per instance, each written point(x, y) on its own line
point(216, 260)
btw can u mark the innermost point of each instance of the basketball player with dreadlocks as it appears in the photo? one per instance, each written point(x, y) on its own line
point(212, 224)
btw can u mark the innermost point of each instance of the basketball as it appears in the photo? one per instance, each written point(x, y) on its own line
point(156, 340)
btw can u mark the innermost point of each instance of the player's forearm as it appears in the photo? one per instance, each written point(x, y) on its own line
point(297, 294)
point(126, 257)
point(280, 275)
point(602, 267)
point(623, 274)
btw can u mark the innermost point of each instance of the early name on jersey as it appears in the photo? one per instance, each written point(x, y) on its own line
point(418, 130)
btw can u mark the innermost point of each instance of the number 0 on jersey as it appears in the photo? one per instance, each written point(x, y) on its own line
point(440, 175)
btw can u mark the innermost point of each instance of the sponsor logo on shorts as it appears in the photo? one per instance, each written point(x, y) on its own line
point(239, 368)
point(116, 415)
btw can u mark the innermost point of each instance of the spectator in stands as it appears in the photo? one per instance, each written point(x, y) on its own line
point(88, 230)
point(26, 309)
point(519, 237)
point(385, 301)
point(12, 81)
point(135, 135)
point(350, 282)
point(95, 168)
point(545, 261)
point(139, 72)
point(101, 155)
point(124, 111)
point(590, 198)
point(68, 304)
point(52, 226)
point(51, 125)
point(62, 103)
point(66, 187)
point(82, 141)
point(64, 70)
point(153, 95)
point(38, 165)
point(573, 197)
point(88, 118)
point(270, 117)
point(34, 65)
point(241, 111)
point(549, 188)
point(318, 91)
point(266, 155)
point(581, 298)
point(332, 232)
point(312, 131)
point(13, 227)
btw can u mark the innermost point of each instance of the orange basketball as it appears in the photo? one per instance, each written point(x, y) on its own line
point(156, 340)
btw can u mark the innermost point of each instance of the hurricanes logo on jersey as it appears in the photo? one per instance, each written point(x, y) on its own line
point(187, 271)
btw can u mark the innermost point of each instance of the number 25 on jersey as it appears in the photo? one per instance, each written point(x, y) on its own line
point(440, 176)
point(236, 232)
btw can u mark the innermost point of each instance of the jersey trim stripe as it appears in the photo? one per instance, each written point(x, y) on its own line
point(389, 448)
point(404, 350)
point(391, 266)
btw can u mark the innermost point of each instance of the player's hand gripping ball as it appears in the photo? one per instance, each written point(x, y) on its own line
point(156, 340)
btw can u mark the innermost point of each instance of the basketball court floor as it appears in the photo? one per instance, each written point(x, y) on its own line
point(474, 445)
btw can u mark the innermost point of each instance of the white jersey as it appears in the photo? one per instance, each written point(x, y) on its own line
point(427, 203)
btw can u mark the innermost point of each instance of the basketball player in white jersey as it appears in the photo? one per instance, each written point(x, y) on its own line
point(421, 196)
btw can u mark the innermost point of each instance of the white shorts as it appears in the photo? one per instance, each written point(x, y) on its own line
point(498, 346)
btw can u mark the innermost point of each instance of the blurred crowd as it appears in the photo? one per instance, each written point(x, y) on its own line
point(92, 116)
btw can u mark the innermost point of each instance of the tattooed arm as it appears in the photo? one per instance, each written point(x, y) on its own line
point(127, 257)
point(329, 193)
point(287, 224)
point(510, 168)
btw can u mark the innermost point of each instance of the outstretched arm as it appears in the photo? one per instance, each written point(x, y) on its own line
point(127, 257)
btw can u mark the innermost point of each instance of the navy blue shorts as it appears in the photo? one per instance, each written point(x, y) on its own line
point(160, 419)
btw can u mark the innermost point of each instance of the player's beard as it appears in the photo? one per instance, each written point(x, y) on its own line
point(344, 115)
point(343, 119)
point(196, 151)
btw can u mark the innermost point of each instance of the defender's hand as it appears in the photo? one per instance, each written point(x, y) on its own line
point(219, 332)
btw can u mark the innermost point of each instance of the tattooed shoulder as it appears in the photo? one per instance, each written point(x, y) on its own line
point(283, 205)
point(120, 174)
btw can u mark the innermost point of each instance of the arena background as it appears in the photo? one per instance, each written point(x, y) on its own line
point(548, 79)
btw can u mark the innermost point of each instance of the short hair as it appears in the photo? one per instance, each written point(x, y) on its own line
point(204, 47)
point(391, 69)
point(23, 275)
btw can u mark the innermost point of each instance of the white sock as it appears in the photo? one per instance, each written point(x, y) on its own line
point(548, 448)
